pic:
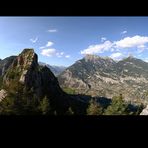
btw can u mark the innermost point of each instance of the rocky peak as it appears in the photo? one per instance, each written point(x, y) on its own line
point(27, 58)
point(21, 66)
point(98, 59)
point(90, 57)
point(25, 70)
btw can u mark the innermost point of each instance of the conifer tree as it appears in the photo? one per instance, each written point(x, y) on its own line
point(45, 106)
point(94, 108)
point(117, 107)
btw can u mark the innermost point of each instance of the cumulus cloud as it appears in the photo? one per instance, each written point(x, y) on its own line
point(130, 42)
point(124, 32)
point(116, 56)
point(137, 42)
point(48, 52)
point(34, 40)
point(52, 30)
point(103, 39)
point(99, 48)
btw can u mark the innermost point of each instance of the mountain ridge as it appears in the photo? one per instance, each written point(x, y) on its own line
point(99, 76)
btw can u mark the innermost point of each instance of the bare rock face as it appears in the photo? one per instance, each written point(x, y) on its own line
point(144, 111)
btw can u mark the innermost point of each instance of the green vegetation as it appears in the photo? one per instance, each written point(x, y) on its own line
point(13, 73)
point(22, 101)
point(44, 106)
point(19, 102)
point(94, 108)
point(117, 107)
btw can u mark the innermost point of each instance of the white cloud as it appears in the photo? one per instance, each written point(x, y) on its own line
point(124, 32)
point(130, 42)
point(103, 39)
point(116, 56)
point(135, 44)
point(49, 43)
point(67, 56)
point(52, 30)
point(34, 40)
point(48, 52)
point(99, 48)
point(53, 52)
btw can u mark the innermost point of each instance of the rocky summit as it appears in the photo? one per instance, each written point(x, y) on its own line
point(102, 76)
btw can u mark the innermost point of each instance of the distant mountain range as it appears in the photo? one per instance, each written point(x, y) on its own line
point(99, 76)
point(55, 69)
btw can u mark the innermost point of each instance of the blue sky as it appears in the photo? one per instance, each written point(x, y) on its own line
point(63, 40)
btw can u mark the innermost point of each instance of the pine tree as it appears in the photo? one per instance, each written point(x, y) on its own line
point(117, 107)
point(45, 106)
point(94, 108)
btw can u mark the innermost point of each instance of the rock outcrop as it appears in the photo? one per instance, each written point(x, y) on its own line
point(26, 70)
